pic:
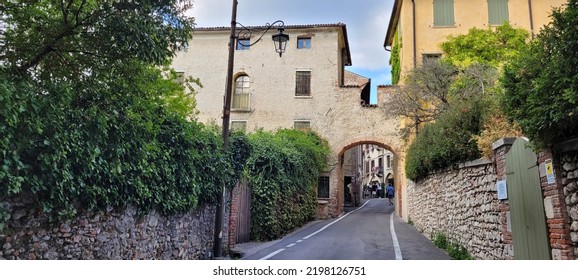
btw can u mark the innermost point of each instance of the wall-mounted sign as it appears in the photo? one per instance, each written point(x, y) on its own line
point(550, 172)
point(502, 188)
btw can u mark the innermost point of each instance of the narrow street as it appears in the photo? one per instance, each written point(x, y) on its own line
point(369, 232)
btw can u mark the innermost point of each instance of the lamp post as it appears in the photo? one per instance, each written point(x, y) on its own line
point(280, 41)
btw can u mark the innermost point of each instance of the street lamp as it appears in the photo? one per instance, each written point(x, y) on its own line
point(280, 41)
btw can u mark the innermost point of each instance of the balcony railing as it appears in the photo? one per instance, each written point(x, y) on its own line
point(241, 102)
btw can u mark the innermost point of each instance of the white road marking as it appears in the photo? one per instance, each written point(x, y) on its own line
point(308, 236)
point(291, 245)
point(394, 238)
point(328, 225)
point(272, 254)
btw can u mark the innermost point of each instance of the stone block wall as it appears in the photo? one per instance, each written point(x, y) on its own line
point(568, 176)
point(463, 205)
point(112, 235)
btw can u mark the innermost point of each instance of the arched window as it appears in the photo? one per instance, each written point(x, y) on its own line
point(241, 97)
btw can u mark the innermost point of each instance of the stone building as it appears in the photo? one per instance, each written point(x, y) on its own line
point(307, 87)
point(377, 166)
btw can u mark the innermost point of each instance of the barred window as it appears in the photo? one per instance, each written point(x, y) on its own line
point(303, 83)
point(239, 125)
point(323, 187)
point(302, 125)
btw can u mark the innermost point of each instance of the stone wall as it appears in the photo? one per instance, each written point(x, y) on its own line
point(463, 205)
point(112, 235)
point(568, 170)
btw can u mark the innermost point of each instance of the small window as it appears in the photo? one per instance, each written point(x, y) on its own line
point(303, 83)
point(323, 187)
point(431, 57)
point(304, 43)
point(243, 44)
point(239, 125)
point(498, 12)
point(444, 13)
point(388, 161)
point(302, 125)
point(180, 77)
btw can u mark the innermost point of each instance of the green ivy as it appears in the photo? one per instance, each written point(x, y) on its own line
point(396, 60)
point(87, 148)
point(283, 170)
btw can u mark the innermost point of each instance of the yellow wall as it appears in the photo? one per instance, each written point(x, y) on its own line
point(467, 14)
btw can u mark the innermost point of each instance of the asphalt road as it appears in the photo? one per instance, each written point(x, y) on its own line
point(369, 232)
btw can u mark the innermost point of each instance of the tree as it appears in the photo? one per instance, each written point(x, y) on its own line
point(423, 96)
point(541, 86)
point(72, 39)
point(90, 119)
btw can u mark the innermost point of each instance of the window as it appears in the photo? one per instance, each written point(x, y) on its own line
point(302, 125)
point(497, 12)
point(180, 77)
point(388, 161)
point(303, 83)
point(444, 13)
point(239, 125)
point(431, 57)
point(243, 44)
point(304, 43)
point(241, 94)
point(323, 187)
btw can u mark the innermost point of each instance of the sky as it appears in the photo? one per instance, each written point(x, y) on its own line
point(366, 22)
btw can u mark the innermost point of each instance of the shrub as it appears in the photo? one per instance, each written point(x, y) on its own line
point(541, 86)
point(282, 171)
point(446, 142)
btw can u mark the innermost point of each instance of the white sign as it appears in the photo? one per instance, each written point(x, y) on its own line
point(502, 189)
point(550, 172)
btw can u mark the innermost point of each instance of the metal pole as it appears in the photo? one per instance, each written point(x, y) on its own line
point(218, 238)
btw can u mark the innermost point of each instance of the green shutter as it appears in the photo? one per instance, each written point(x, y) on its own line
point(444, 13)
point(498, 12)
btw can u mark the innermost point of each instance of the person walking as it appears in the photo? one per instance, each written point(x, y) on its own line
point(390, 193)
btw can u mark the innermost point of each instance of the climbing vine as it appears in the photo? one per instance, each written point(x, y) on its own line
point(283, 170)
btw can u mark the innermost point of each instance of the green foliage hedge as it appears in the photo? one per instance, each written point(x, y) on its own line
point(81, 147)
point(283, 170)
point(446, 142)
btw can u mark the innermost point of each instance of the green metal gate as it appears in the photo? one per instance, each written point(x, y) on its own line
point(528, 220)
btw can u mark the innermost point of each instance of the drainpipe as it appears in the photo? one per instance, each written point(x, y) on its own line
point(414, 35)
point(531, 18)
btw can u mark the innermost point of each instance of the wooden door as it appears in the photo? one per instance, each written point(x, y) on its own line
point(528, 218)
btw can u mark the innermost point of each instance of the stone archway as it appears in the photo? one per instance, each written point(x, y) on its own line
point(337, 174)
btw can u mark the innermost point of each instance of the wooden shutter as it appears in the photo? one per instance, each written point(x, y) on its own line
point(498, 12)
point(444, 13)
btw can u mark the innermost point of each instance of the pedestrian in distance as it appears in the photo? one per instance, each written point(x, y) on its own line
point(379, 191)
point(373, 191)
point(390, 193)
